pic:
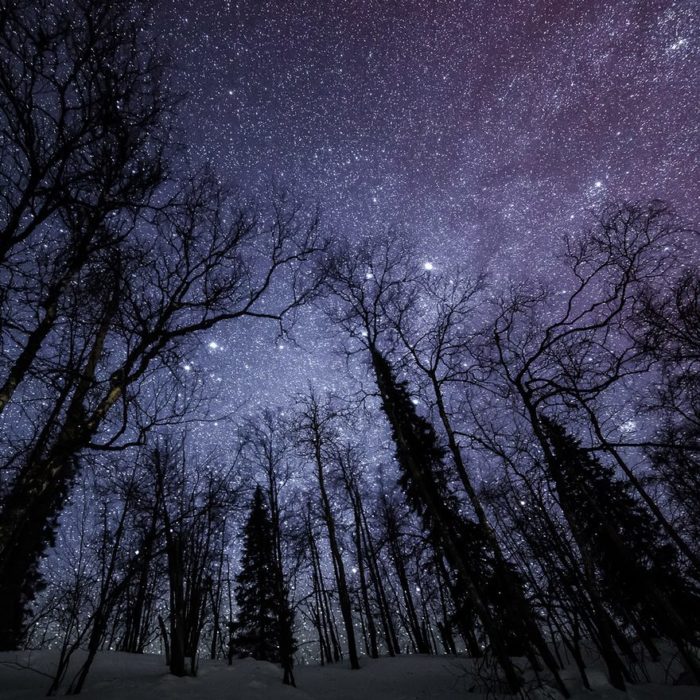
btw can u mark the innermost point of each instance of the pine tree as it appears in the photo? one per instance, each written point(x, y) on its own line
point(255, 633)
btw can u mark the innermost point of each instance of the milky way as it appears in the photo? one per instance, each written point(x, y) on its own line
point(484, 129)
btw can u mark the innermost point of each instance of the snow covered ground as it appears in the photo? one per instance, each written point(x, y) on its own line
point(117, 676)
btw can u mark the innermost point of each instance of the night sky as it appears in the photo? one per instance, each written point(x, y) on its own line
point(484, 129)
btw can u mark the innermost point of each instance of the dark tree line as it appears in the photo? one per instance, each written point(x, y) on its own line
point(486, 492)
point(110, 264)
point(532, 382)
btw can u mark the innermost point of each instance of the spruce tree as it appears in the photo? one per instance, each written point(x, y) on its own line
point(639, 570)
point(255, 633)
point(424, 478)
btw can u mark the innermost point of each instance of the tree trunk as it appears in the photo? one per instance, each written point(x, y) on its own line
point(338, 564)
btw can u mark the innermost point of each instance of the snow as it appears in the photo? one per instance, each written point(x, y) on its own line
point(118, 676)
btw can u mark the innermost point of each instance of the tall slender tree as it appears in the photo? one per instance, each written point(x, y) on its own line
point(364, 285)
point(424, 479)
point(316, 435)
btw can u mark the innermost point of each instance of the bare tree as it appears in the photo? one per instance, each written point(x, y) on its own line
point(567, 356)
point(316, 437)
point(348, 460)
point(202, 268)
point(666, 329)
point(108, 263)
point(83, 114)
point(193, 500)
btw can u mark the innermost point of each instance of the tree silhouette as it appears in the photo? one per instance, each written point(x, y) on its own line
point(255, 632)
point(639, 571)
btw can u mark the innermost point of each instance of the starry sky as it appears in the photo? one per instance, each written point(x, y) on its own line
point(485, 129)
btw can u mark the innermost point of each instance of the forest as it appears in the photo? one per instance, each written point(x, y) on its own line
point(510, 472)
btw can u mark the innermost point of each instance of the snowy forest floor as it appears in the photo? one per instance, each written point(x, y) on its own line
point(117, 676)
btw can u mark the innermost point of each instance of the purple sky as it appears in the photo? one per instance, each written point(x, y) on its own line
point(486, 128)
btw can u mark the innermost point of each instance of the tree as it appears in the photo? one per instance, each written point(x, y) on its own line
point(347, 459)
point(364, 286)
point(424, 480)
point(390, 518)
point(83, 124)
point(137, 612)
point(132, 261)
point(193, 500)
point(581, 348)
point(198, 266)
point(116, 570)
point(640, 572)
point(667, 329)
point(319, 611)
point(266, 440)
point(317, 437)
point(82, 107)
point(256, 629)
point(434, 316)
point(571, 354)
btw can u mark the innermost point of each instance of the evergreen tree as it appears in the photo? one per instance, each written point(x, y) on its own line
point(638, 569)
point(265, 625)
point(425, 481)
point(256, 631)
